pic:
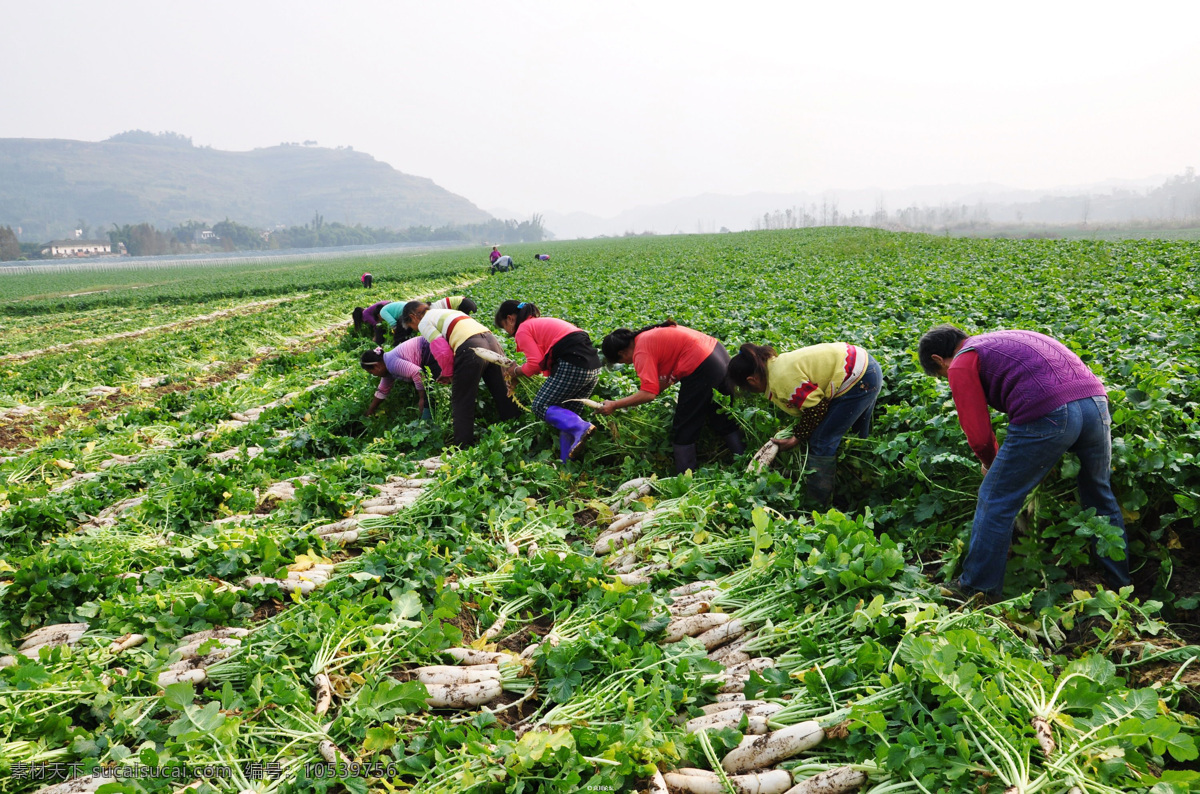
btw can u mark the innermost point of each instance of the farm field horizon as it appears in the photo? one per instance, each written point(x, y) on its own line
point(187, 451)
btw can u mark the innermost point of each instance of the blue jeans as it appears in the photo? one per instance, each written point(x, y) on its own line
point(850, 412)
point(1028, 453)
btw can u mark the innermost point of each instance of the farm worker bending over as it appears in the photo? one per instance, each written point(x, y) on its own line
point(662, 354)
point(367, 278)
point(1054, 404)
point(369, 316)
point(463, 335)
point(541, 257)
point(494, 255)
point(558, 349)
point(392, 312)
point(831, 387)
point(503, 264)
point(405, 362)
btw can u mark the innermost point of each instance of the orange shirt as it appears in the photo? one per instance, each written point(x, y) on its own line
point(674, 351)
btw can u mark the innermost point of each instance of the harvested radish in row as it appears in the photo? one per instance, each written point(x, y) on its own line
point(126, 642)
point(841, 780)
point(324, 693)
point(58, 634)
point(693, 588)
point(701, 781)
point(721, 634)
point(470, 656)
point(757, 752)
point(447, 675)
point(463, 695)
point(691, 626)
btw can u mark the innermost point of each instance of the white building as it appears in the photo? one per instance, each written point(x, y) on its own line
point(60, 248)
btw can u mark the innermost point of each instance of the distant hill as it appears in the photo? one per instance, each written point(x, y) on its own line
point(46, 186)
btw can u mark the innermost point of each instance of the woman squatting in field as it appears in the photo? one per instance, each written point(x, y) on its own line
point(1055, 405)
point(463, 335)
point(831, 387)
point(405, 362)
point(662, 354)
point(565, 354)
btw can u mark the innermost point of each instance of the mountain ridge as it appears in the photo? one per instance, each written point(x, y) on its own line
point(48, 184)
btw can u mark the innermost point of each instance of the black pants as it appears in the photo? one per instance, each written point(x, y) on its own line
point(696, 406)
point(464, 387)
point(367, 281)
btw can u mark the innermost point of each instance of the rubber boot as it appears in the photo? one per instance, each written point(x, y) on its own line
point(735, 443)
point(685, 458)
point(572, 431)
point(820, 478)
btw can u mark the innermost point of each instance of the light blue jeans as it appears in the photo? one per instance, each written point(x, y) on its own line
point(1027, 455)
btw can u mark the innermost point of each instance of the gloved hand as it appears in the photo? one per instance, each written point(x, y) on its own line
point(426, 414)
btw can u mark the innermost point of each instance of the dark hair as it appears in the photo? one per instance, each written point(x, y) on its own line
point(622, 338)
point(750, 360)
point(940, 341)
point(357, 315)
point(519, 309)
point(371, 357)
point(410, 309)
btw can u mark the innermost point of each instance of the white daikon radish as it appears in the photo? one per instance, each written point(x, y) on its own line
point(57, 634)
point(690, 589)
point(449, 675)
point(722, 634)
point(336, 526)
point(215, 644)
point(745, 705)
point(730, 697)
point(213, 634)
point(686, 610)
point(842, 780)
point(384, 510)
point(762, 751)
point(657, 784)
point(492, 357)
point(471, 657)
point(461, 696)
point(617, 540)
point(756, 665)
point(77, 785)
point(587, 402)
point(8, 661)
point(763, 458)
point(494, 630)
point(720, 654)
point(342, 538)
point(168, 677)
point(633, 578)
point(1045, 738)
point(755, 725)
point(624, 522)
point(332, 754)
point(126, 642)
point(700, 781)
point(679, 628)
point(324, 693)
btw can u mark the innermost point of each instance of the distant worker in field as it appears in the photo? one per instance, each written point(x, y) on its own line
point(503, 264)
point(566, 355)
point(831, 387)
point(541, 257)
point(663, 354)
point(406, 362)
point(464, 335)
point(391, 313)
point(367, 279)
point(1055, 404)
point(494, 255)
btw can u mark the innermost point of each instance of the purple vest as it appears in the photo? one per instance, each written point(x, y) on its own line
point(1027, 375)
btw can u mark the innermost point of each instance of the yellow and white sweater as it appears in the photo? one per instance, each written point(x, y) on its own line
point(803, 378)
point(454, 326)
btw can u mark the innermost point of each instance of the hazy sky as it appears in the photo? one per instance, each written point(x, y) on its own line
point(564, 106)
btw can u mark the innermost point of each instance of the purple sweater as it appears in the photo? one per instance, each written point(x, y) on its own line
point(1027, 375)
point(371, 313)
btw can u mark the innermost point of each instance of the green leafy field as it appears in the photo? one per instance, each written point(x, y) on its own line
point(497, 550)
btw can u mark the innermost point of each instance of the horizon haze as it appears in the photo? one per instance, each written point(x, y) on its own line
point(560, 110)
